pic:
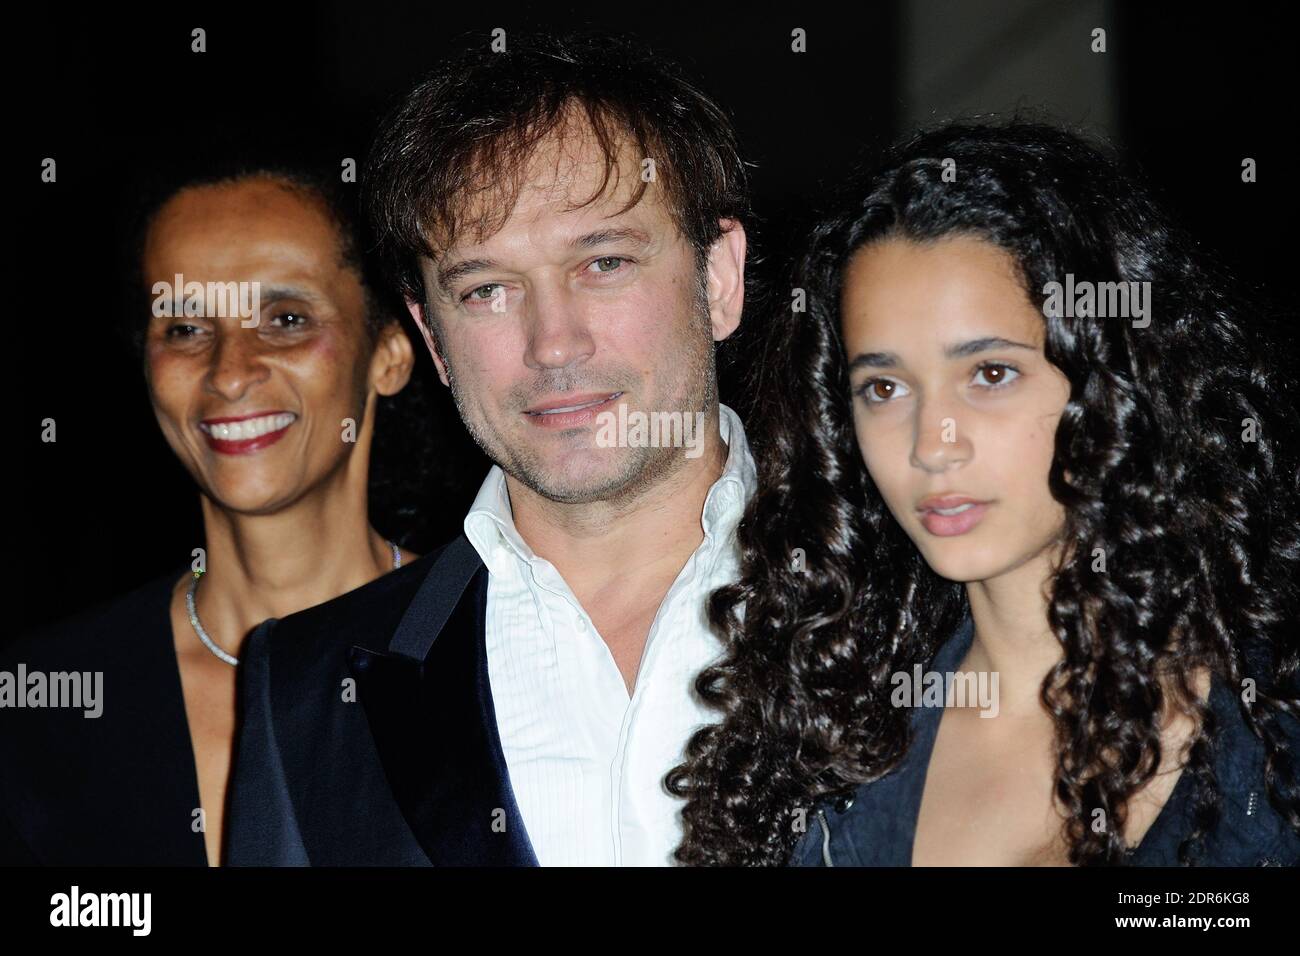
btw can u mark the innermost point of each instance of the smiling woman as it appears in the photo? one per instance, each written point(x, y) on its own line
point(270, 402)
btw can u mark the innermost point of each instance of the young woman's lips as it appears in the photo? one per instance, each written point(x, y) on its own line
point(243, 436)
point(966, 517)
point(581, 410)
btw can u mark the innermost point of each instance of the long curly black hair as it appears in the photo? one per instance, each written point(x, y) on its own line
point(1199, 525)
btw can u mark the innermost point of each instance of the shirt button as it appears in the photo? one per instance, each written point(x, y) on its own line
point(582, 624)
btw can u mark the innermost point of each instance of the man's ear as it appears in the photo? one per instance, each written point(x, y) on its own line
point(726, 279)
point(393, 360)
point(417, 311)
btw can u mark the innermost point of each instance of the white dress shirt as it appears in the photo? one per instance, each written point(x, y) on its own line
point(587, 762)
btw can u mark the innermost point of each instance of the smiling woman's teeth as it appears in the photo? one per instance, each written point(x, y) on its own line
point(249, 427)
point(954, 511)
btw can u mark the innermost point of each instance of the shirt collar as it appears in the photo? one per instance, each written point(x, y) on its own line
point(490, 523)
point(726, 500)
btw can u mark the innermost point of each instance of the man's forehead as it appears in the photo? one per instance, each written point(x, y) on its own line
point(565, 190)
point(566, 228)
point(570, 162)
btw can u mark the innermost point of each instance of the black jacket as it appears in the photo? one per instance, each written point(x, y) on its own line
point(877, 825)
point(406, 771)
point(117, 789)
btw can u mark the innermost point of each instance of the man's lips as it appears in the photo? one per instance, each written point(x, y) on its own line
point(570, 402)
point(239, 435)
point(570, 411)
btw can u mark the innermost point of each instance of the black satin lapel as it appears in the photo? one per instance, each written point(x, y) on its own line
point(437, 599)
point(434, 728)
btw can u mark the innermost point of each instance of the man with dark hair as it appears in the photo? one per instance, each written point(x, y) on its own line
point(565, 222)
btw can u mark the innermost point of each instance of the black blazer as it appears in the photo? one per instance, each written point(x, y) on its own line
point(118, 789)
point(368, 734)
point(877, 825)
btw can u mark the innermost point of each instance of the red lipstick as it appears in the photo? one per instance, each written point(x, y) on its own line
point(245, 434)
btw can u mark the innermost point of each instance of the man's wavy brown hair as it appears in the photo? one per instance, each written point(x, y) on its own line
point(469, 128)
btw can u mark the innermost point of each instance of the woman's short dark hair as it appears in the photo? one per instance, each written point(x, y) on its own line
point(316, 178)
point(408, 492)
point(476, 119)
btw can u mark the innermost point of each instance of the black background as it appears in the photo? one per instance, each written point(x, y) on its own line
point(107, 507)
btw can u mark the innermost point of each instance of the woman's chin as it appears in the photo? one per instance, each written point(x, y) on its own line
point(963, 565)
point(251, 499)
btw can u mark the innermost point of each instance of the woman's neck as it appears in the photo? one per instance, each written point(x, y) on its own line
point(265, 566)
point(1012, 637)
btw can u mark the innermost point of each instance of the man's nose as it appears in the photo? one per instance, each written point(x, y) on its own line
point(559, 331)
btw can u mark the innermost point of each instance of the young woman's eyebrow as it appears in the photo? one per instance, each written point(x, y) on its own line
point(986, 344)
point(874, 360)
point(957, 350)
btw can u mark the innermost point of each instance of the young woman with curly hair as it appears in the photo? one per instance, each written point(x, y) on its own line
point(968, 466)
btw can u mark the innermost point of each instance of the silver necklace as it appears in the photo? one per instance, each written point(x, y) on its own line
point(203, 635)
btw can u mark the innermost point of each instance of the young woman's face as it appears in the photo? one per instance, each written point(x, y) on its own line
point(954, 403)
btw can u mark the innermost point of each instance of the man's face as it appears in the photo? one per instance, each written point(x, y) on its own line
point(579, 310)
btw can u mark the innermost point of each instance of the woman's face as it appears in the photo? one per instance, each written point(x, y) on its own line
point(257, 414)
point(954, 403)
